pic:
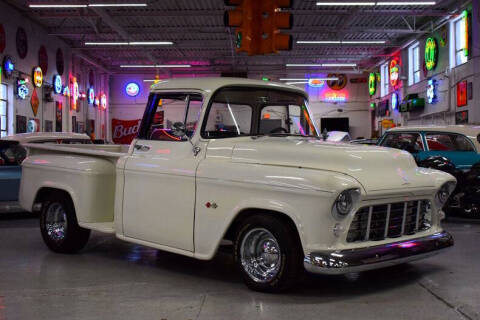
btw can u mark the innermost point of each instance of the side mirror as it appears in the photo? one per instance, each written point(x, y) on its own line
point(179, 130)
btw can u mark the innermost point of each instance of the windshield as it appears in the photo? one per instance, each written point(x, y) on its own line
point(248, 111)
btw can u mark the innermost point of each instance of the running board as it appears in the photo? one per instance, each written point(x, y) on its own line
point(105, 227)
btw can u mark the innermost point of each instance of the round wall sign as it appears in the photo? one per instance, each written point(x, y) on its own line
point(43, 59)
point(59, 61)
point(37, 77)
point(372, 83)
point(22, 43)
point(103, 101)
point(316, 83)
point(57, 84)
point(394, 72)
point(91, 96)
point(431, 53)
point(3, 41)
point(337, 84)
point(8, 66)
point(132, 89)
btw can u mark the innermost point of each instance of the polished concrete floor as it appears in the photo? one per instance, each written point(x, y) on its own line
point(111, 279)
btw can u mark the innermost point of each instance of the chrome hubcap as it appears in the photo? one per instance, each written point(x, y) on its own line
point(260, 255)
point(56, 222)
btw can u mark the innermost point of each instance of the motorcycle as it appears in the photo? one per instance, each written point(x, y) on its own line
point(465, 199)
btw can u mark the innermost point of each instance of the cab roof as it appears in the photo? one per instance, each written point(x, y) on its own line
point(211, 84)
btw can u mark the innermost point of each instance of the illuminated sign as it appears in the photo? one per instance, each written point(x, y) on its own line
point(431, 53)
point(335, 97)
point(97, 102)
point(22, 88)
point(394, 72)
point(66, 91)
point(91, 96)
point(465, 33)
point(57, 84)
point(75, 93)
point(431, 91)
point(372, 105)
point(132, 89)
point(37, 77)
point(372, 83)
point(316, 83)
point(394, 101)
point(103, 101)
point(8, 66)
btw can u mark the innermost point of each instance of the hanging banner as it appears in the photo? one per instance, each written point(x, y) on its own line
point(124, 131)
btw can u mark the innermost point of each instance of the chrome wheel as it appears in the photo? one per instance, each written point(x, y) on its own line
point(260, 255)
point(56, 221)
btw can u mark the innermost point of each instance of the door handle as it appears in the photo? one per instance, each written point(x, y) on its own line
point(142, 147)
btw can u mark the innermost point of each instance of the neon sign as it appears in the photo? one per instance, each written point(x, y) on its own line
point(431, 53)
point(394, 101)
point(37, 77)
point(335, 97)
point(394, 72)
point(91, 96)
point(316, 83)
point(97, 102)
point(132, 89)
point(22, 88)
point(75, 93)
point(66, 91)
point(8, 66)
point(103, 101)
point(372, 83)
point(57, 84)
point(465, 34)
point(431, 91)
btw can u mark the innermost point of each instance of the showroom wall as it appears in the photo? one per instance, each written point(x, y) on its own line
point(447, 79)
point(324, 101)
point(20, 110)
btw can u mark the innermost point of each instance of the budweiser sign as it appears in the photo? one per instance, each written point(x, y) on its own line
point(124, 131)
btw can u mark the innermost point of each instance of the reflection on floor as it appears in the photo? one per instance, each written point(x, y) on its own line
point(112, 279)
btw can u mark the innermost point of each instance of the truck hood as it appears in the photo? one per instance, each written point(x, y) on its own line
point(376, 168)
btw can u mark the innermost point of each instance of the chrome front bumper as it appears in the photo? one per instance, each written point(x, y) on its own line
point(361, 259)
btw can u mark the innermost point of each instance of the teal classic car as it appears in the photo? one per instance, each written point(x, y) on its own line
point(459, 144)
point(11, 156)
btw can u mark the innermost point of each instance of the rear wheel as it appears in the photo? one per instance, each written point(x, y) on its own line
point(268, 253)
point(59, 226)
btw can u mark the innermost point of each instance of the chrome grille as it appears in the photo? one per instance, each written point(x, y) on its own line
point(378, 222)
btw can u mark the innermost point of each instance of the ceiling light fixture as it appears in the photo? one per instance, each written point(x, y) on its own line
point(132, 43)
point(379, 3)
point(321, 65)
point(66, 5)
point(155, 66)
point(306, 79)
point(341, 42)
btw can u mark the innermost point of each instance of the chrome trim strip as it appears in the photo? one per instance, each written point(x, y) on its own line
point(419, 207)
point(387, 220)
point(361, 259)
point(367, 234)
point(405, 206)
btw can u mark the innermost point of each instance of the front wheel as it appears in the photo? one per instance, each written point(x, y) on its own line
point(59, 226)
point(268, 253)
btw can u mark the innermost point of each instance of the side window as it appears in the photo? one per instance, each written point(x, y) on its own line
point(171, 108)
point(448, 142)
point(411, 142)
point(228, 120)
point(286, 119)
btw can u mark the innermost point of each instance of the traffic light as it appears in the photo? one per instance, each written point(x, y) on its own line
point(257, 25)
point(273, 19)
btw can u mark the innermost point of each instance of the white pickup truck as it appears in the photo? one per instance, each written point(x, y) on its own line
point(241, 160)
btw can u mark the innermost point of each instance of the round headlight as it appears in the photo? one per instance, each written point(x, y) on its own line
point(345, 200)
point(445, 192)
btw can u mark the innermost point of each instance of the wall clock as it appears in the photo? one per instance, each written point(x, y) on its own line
point(22, 43)
point(59, 62)
point(43, 59)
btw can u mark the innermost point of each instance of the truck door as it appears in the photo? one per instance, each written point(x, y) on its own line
point(159, 195)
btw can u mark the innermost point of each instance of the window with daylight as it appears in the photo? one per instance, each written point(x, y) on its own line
point(459, 41)
point(3, 110)
point(384, 75)
point(414, 64)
